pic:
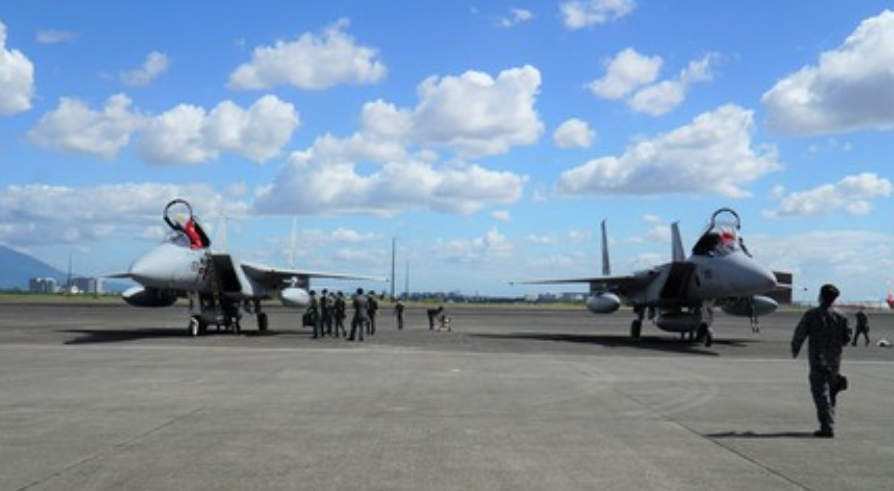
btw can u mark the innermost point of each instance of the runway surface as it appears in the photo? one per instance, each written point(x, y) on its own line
point(110, 397)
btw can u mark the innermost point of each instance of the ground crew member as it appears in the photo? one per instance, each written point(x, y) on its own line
point(314, 310)
point(432, 315)
point(361, 315)
point(827, 332)
point(326, 310)
point(399, 312)
point(341, 308)
point(373, 309)
point(862, 328)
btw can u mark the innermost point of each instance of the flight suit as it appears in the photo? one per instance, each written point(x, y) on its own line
point(862, 328)
point(361, 316)
point(314, 311)
point(827, 332)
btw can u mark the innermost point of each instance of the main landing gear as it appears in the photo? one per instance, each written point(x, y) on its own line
point(198, 326)
point(224, 314)
point(694, 325)
point(636, 326)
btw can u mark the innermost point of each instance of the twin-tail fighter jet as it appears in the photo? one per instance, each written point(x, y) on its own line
point(220, 288)
point(679, 296)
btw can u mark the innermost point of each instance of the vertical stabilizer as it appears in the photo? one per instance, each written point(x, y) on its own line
point(678, 254)
point(606, 265)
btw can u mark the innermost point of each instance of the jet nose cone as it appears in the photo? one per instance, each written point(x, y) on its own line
point(149, 269)
point(141, 269)
point(756, 278)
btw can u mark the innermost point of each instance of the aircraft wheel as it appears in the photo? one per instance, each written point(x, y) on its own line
point(262, 322)
point(709, 338)
point(636, 328)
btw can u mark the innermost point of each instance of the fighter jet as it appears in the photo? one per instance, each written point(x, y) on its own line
point(220, 288)
point(679, 296)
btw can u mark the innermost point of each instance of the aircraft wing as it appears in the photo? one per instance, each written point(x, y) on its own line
point(622, 284)
point(276, 278)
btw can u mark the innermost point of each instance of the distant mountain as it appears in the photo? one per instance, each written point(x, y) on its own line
point(16, 269)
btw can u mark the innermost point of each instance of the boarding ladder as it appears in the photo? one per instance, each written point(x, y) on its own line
point(216, 286)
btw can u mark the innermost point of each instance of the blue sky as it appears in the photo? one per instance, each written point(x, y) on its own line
point(489, 138)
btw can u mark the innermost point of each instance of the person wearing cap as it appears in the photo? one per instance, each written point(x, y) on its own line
point(862, 328)
point(341, 307)
point(327, 309)
point(826, 331)
point(361, 315)
point(372, 311)
point(314, 310)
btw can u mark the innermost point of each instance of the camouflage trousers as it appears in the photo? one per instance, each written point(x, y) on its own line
point(824, 388)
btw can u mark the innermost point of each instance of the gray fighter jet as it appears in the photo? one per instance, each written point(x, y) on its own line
point(679, 296)
point(220, 288)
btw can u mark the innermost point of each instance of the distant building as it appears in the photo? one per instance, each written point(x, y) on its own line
point(783, 296)
point(86, 285)
point(43, 285)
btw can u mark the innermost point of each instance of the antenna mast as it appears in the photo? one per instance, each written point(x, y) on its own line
point(393, 241)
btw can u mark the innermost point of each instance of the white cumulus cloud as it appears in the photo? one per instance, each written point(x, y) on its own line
point(155, 65)
point(391, 165)
point(39, 213)
point(516, 16)
point(711, 155)
point(574, 133)
point(850, 88)
point(311, 62)
point(74, 127)
point(186, 134)
point(578, 14)
point(632, 77)
point(16, 79)
point(477, 115)
point(331, 169)
point(493, 244)
point(853, 194)
point(625, 73)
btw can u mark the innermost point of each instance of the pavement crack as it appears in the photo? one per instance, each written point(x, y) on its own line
point(744, 457)
point(123, 445)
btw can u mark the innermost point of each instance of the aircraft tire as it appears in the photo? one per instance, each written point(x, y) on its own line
point(636, 328)
point(262, 322)
point(709, 338)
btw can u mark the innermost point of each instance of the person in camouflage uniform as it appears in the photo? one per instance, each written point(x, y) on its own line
point(361, 315)
point(314, 310)
point(827, 332)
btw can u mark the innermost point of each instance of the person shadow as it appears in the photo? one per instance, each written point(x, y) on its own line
point(760, 435)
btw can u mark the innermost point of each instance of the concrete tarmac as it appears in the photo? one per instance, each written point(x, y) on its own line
point(110, 397)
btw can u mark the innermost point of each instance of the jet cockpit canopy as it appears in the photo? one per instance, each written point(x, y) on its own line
point(185, 228)
point(721, 236)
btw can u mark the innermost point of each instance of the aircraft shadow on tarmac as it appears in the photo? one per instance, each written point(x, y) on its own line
point(758, 436)
point(662, 344)
point(100, 336)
